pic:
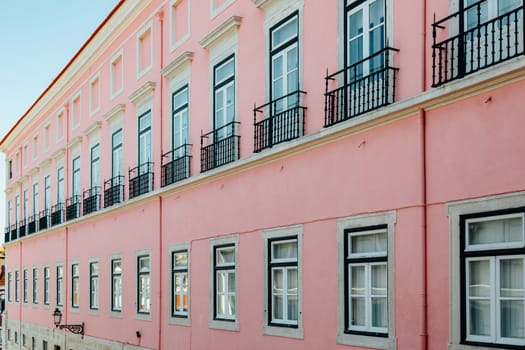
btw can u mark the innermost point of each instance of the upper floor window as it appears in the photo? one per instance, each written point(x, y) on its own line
point(93, 286)
point(35, 199)
point(47, 192)
point(479, 12)
point(75, 285)
point(94, 95)
point(26, 203)
point(9, 212)
point(224, 97)
point(95, 165)
point(9, 281)
point(117, 166)
point(17, 286)
point(75, 183)
point(117, 75)
point(180, 132)
point(144, 138)
point(179, 22)
point(180, 280)
point(143, 284)
point(25, 286)
point(116, 285)
point(60, 185)
point(17, 209)
point(144, 51)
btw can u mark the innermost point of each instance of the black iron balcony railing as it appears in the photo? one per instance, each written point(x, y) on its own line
point(73, 207)
point(14, 232)
point(283, 120)
point(175, 165)
point(32, 224)
point(361, 87)
point(43, 220)
point(219, 146)
point(113, 191)
point(91, 200)
point(469, 40)
point(140, 179)
point(57, 214)
point(22, 228)
point(7, 236)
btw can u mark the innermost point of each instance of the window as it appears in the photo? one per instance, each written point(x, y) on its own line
point(75, 111)
point(60, 185)
point(487, 10)
point(17, 209)
point(75, 183)
point(116, 285)
point(224, 279)
point(10, 169)
point(93, 285)
point(33, 343)
point(16, 337)
point(35, 146)
point(224, 97)
point(60, 126)
point(143, 285)
point(9, 212)
point(46, 285)
point(17, 286)
point(283, 305)
point(24, 343)
point(24, 286)
point(180, 132)
point(47, 132)
point(35, 285)
point(144, 51)
point(44, 345)
point(94, 95)
point(75, 285)
point(179, 300)
point(117, 75)
point(60, 282)
point(179, 22)
point(9, 298)
point(365, 280)
point(145, 139)
point(47, 192)
point(35, 199)
point(26, 203)
point(116, 154)
point(95, 166)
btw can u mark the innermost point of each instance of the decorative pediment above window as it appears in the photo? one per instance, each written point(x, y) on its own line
point(221, 32)
point(59, 154)
point(45, 163)
point(74, 142)
point(34, 171)
point(93, 128)
point(115, 112)
point(143, 92)
point(177, 64)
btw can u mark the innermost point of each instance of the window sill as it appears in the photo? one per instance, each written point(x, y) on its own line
point(181, 321)
point(284, 331)
point(224, 325)
point(143, 316)
point(480, 347)
point(366, 341)
point(114, 313)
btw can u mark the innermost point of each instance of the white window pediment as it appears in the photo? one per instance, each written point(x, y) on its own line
point(222, 35)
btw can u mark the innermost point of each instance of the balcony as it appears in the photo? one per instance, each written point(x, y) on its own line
point(91, 200)
point(7, 236)
point(470, 40)
point(283, 120)
point(43, 220)
point(32, 224)
point(57, 214)
point(219, 147)
point(113, 191)
point(14, 232)
point(22, 228)
point(361, 87)
point(140, 179)
point(73, 207)
point(175, 165)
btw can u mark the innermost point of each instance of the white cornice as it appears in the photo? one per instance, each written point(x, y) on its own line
point(45, 163)
point(171, 69)
point(232, 23)
point(74, 142)
point(34, 171)
point(59, 154)
point(142, 92)
point(115, 111)
point(261, 3)
point(92, 128)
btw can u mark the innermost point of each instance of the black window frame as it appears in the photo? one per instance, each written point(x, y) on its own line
point(113, 275)
point(141, 132)
point(60, 183)
point(9, 282)
point(175, 270)
point(139, 275)
point(17, 286)
point(35, 285)
point(92, 277)
point(223, 268)
point(60, 285)
point(74, 172)
point(114, 148)
point(25, 291)
point(174, 111)
point(47, 277)
point(94, 160)
point(222, 83)
point(75, 277)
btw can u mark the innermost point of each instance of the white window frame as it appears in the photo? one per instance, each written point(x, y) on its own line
point(295, 329)
point(140, 35)
point(59, 284)
point(144, 314)
point(60, 131)
point(94, 288)
point(455, 210)
point(115, 311)
point(371, 340)
point(181, 319)
point(47, 283)
point(504, 245)
point(77, 118)
point(216, 321)
point(115, 92)
point(25, 287)
point(176, 41)
point(34, 284)
point(75, 288)
point(216, 10)
point(35, 146)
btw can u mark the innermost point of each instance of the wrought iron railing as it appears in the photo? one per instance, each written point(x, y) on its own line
point(219, 146)
point(283, 120)
point(7, 236)
point(91, 200)
point(468, 40)
point(14, 232)
point(22, 228)
point(140, 179)
point(113, 191)
point(175, 165)
point(43, 220)
point(32, 224)
point(57, 214)
point(361, 87)
point(73, 207)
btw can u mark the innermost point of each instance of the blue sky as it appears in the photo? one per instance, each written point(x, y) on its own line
point(37, 39)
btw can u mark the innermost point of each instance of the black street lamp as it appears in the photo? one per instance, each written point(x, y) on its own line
point(73, 328)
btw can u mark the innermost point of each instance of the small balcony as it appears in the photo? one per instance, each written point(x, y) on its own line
point(22, 228)
point(73, 207)
point(113, 191)
point(282, 120)
point(57, 214)
point(361, 87)
point(219, 147)
point(175, 165)
point(470, 40)
point(43, 220)
point(91, 200)
point(7, 236)
point(32, 224)
point(141, 179)
point(14, 232)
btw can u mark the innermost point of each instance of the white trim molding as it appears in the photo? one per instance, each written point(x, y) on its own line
point(221, 31)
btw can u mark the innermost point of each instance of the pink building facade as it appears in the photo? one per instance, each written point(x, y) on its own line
point(284, 174)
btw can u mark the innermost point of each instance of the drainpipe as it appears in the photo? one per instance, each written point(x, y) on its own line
point(424, 285)
point(20, 291)
point(66, 195)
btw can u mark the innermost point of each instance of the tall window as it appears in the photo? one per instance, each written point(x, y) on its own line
point(26, 202)
point(283, 281)
point(17, 209)
point(284, 67)
point(180, 120)
point(366, 286)
point(17, 286)
point(9, 281)
point(46, 285)
point(143, 287)
point(9, 212)
point(93, 285)
point(179, 261)
point(116, 285)
point(60, 185)
point(224, 96)
point(116, 153)
point(35, 199)
point(145, 138)
point(493, 259)
point(35, 285)
point(225, 282)
point(75, 184)
point(75, 285)
point(95, 165)
point(25, 296)
point(47, 192)
point(60, 282)
point(487, 10)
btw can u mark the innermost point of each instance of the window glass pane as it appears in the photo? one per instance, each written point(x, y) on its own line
point(180, 99)
point(368, 243)
point(377, 13)
point(357, 274)
point(511, 278)
point(292, 281)
point(231, 282)
point(181, 259)
point(277, 307)
point(512, 319)
point(231, 305)
point(495, 231)
point(145, 121)
point(225, 71)
point(505, 6)
point(144, 264)
point(221, 281)
point(479, 278)
point(379, 312)
point(379, 280)
point(358, 311)
point(479, 317)
point(221, 304)
point(225, 256)
point(277, 281)
point(284, 33)
point(285, 250)
point(117, 266)
point(293, 310)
